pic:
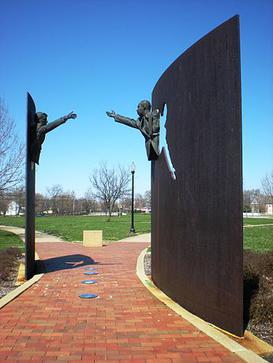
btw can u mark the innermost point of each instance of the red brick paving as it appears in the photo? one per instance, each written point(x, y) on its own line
point(50, 323)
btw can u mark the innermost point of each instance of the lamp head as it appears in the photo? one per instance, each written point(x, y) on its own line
point(133, 167)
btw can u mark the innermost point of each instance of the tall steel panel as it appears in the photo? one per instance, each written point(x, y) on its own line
point(30, 192)
point(197, 247)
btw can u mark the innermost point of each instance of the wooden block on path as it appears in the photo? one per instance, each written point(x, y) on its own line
point(92, 238)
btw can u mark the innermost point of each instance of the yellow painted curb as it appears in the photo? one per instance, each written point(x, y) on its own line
point(245, 354)
point(24, 285)
point(21, 274)
point(255, 344)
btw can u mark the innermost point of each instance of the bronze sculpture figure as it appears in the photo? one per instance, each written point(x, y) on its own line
point(42, 128)
point(37, 128)
point(148, 124)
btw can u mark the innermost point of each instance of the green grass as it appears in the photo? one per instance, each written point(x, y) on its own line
point(259, 239)
point(253, 221)
point(8, 239)
point(70, 228)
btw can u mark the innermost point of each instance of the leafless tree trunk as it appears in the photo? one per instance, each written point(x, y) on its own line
point(40, 204)
point(109, 185)
point(4, 203)
point(89, 203)
point(126, 204)
point(267, 184)
point(139, 201)
point(54, 193)
point(11, 152)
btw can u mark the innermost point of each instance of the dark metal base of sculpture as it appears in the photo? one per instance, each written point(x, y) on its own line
point(30, 193)
point(197, 248)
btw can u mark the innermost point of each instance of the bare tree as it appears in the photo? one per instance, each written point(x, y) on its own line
point(109, 185)
point(61, 202)
point(66, 203)
point(89, 203)
point(41, 204)
point(54, 194)
point(267, 184)
point(147, 197)
point(139, 201)
point(126, 203)
point(11, 152)
point(80, 206)
point(4, 203)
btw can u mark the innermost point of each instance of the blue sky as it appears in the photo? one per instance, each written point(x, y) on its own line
point(90, 56)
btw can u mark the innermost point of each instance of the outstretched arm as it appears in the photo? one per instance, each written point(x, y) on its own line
point(122, 119)
point(52, 125)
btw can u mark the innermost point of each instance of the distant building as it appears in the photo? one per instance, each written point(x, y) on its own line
point(269, 208)
point(254, 206)
point(145, 210)
point(13, 209)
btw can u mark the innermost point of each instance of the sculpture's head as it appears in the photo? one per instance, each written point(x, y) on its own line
point(41, 118)
point(143, 107)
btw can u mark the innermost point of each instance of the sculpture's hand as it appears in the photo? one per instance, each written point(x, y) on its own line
point(111, 114)
point(70, 115)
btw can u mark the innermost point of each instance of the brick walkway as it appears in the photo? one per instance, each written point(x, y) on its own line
point(50, 323)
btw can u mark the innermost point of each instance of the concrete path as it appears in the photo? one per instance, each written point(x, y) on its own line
point(50, 323)
point(258, 225)
point(40, 237)
point(146, 237)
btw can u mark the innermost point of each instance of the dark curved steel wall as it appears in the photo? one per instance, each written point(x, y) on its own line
point(30, 193)
point(197, 247)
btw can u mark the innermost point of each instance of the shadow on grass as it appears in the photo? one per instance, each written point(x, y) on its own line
point(63, 263)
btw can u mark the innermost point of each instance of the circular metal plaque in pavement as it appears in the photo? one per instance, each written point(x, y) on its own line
point(88, 296)
point(89, 282)
point(90, 273)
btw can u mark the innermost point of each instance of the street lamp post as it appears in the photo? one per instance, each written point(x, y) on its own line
point(133, 169)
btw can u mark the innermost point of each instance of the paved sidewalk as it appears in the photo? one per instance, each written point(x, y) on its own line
point(258, 225)
point(40, 237)
point(146, 237)
point(50, 323)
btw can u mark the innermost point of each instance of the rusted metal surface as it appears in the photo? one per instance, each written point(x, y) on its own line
point(197, 218)
point(30, 192)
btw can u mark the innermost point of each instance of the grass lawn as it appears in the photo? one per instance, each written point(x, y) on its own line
point(260, 238)
point(8, 239)
point(253, 221)
point(70, 227)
